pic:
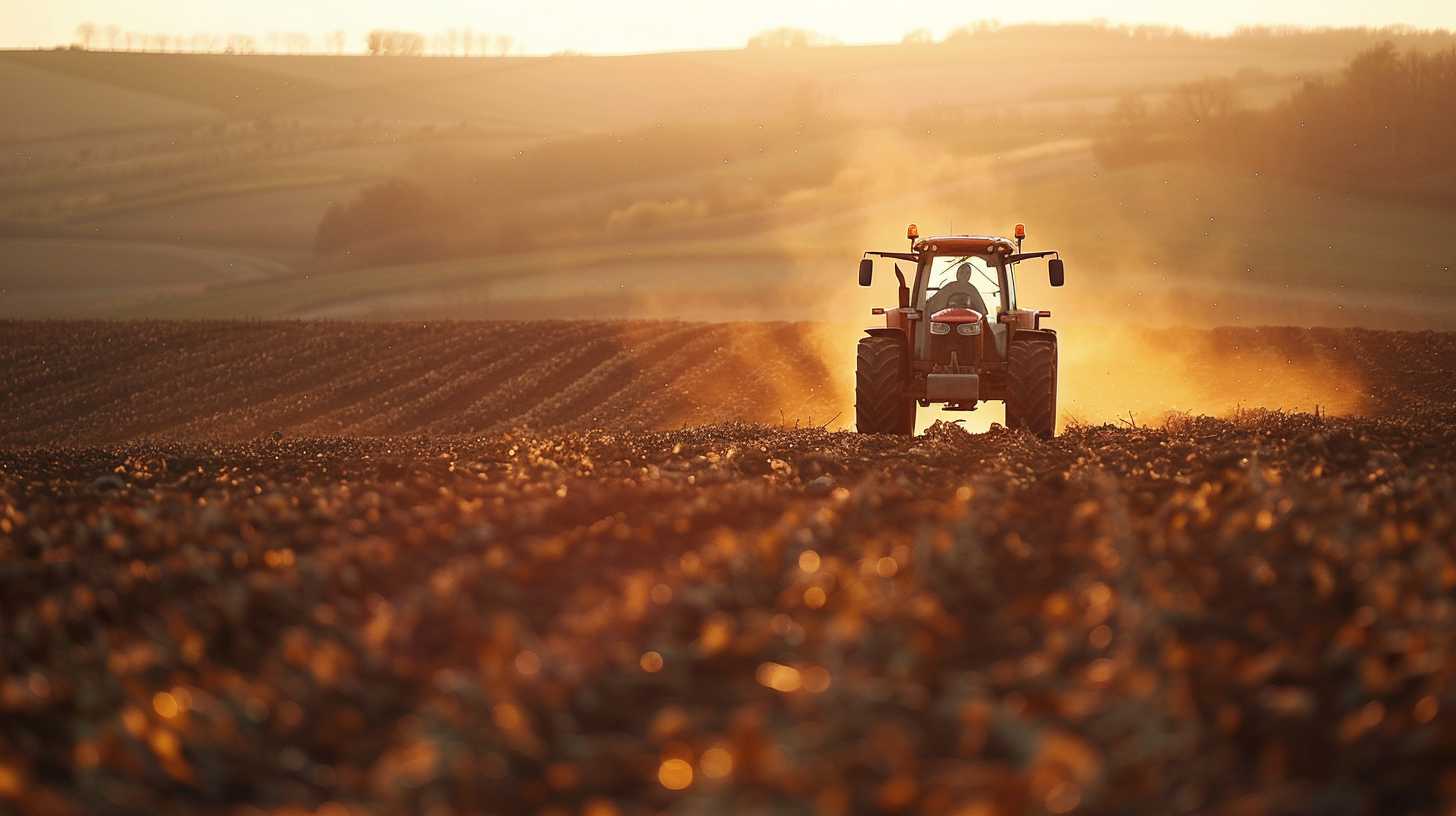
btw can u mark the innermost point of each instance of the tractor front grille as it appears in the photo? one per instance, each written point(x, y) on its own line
point(966, 350)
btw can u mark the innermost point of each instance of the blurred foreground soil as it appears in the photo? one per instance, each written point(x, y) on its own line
point(1253, 614)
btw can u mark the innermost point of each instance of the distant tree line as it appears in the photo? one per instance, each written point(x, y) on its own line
point(1063, 38)
point(788, 38)
point(455, 42)
point(97, 37)
point(466, 42)
point(380, 42)
point(1385, 126)
point(395, 43)
point(1089, 34)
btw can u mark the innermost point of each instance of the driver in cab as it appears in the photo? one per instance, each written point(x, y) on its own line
point(960, 292)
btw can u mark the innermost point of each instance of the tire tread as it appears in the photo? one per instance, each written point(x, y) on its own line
point(1031, 400)
point(880, 405)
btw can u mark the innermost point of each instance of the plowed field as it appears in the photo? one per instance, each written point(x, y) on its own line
point(106, 382)
point(448, 586)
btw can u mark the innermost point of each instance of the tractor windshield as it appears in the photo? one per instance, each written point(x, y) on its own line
point(964, 280)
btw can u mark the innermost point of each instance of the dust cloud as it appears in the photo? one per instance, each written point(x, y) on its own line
point(1143, 376)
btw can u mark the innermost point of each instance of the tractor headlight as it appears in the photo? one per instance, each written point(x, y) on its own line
point(969, 329)
point(939, 328)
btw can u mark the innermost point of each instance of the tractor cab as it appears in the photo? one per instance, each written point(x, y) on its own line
point(959, 333)
point(964, 274)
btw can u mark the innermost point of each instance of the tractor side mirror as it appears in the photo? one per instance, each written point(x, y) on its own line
point(866, 271)
point(1057, 272)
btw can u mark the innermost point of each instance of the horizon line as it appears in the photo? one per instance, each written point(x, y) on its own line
point(819, 42)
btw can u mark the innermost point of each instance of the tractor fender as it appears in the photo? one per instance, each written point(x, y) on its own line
point(895, 334)
point(1042, 335)
point(883, 331)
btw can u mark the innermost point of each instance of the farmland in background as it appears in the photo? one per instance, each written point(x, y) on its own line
point(599, 186)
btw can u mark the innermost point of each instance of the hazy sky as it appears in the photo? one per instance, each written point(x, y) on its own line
point(544, 26)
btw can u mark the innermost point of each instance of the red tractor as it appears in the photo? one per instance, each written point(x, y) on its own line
point(958, 337)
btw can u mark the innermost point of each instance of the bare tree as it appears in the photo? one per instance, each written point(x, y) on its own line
point(395, 43)
point(241, 44)
point(785, 38)
point(467, 40)
point(85, 33)
point(113, 32)
point(1204, 101)
point(504, 43)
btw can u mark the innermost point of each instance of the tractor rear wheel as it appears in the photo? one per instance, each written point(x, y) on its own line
point(880, 378)
point(1031, 394)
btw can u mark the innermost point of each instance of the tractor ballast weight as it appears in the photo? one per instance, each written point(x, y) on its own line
point(958, 336)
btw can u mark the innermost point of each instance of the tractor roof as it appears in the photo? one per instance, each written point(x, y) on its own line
point(965, 244)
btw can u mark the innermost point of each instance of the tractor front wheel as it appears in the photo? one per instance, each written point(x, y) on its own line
point(880, 379)
point(1031, 398)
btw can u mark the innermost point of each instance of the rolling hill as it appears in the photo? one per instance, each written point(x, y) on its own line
point(240, 155)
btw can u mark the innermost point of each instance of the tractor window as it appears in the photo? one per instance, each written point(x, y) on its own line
point(964, 281)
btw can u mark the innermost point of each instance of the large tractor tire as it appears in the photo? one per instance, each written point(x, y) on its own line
point(1031, 397)
point(880, 379)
